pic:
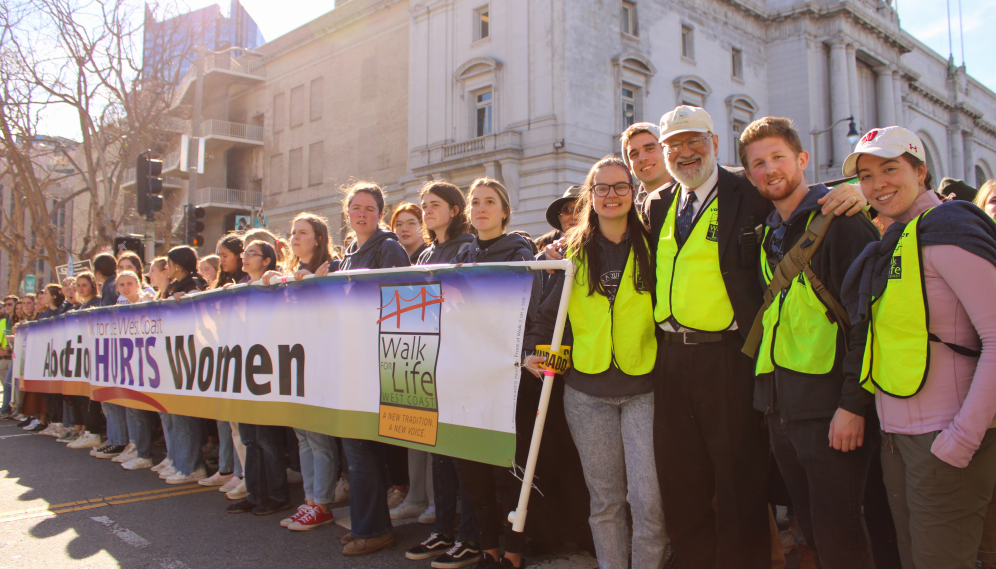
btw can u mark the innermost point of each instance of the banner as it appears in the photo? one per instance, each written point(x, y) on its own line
point(422, 357)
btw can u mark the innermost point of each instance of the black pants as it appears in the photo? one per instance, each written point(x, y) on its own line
point(827, 488)
point(53, 401)
point(397, 464)
point(483, 482)
point(709, 441)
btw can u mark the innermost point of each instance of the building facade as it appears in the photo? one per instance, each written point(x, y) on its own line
point(532, 93)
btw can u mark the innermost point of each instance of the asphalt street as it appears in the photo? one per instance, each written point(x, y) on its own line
point(61, 508)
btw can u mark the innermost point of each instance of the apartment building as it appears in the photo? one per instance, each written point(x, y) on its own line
point(532, 93)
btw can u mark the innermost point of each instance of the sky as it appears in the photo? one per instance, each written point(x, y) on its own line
point(927, 20)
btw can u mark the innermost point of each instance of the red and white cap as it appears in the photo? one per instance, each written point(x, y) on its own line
point(888, 142)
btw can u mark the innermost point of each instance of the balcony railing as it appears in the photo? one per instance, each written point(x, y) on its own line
point(224, 62)
point(230, 197)
point(460, 148)
point(231, 130)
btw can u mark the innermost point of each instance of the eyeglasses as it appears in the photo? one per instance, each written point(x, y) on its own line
point(407, 224)
point(695, 143)
point(250, 254)
point(621, 189)
point(567, 210)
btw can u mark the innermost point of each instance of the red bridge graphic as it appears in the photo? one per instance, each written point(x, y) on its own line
point(424, 295)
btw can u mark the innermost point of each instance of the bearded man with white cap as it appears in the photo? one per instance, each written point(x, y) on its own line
point(709, 440)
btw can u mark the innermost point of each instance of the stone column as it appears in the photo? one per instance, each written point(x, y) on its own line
point(510, 177)
point(853, 86)
point(956, 142)
point(885, 102)
point(897, 94)
point(840, 103)
point(969, 175)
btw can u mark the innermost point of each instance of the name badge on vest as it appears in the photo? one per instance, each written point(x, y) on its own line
point(713, 233)
point(896, 266)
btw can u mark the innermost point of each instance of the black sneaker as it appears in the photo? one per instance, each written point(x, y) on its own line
point(38, 427)
point(505, 563)
point(270, 506)
point(24, 423)
point(434, 546)
point(487, 562)
point(243, 507)
point(462, 554)
point(109, 451)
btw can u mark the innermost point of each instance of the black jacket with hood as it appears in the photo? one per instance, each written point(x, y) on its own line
point(444, 253)
point(381, 251)
point(799, 396)
point(193, 282)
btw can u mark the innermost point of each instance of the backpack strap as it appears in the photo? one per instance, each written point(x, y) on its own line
point(797, 261)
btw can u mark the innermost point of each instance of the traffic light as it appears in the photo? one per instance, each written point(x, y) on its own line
point(194, 225)
point(148, 185)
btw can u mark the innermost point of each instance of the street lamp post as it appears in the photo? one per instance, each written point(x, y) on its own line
point(852, 137)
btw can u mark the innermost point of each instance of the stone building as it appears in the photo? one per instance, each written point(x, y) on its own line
point(532, 93)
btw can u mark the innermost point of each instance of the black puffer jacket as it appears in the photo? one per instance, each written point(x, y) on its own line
point(442, 254)
point(381, 251)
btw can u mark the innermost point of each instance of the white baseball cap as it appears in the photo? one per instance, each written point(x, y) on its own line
point(888, 142)
point(685, 119)
point(644, 127)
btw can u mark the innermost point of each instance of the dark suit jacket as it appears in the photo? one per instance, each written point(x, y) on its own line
point(741, 208)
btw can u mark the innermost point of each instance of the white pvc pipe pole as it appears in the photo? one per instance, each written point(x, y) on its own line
point(518, 517)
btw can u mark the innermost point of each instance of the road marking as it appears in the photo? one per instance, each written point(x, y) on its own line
point(92, 503)
point(126, 535)
point(12, 436)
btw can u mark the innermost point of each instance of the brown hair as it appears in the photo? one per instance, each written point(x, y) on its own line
point(323, 248)
point(280, 246)
point(506, 203)
point(134, 259)
point(453, 197)
point(769, 127)
point(581, 238)
point(213, 260)
point(88, 276)
point(928, 181)
point(633, 130)
point(55, 291)
point(366, 188)
point(408, 208)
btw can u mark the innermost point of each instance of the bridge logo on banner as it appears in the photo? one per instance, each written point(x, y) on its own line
point(409, 350)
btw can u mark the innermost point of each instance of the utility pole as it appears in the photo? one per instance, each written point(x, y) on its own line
point(195, 134)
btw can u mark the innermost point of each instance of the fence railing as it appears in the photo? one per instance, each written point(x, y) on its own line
point(232, 130)
point(230, 196)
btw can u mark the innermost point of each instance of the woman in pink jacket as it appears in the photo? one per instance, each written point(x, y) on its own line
point(924, 342)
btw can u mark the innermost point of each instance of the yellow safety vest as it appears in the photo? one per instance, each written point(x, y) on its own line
point(897, 351)
point(798, 335)
point(690, 285)
point(623, 332)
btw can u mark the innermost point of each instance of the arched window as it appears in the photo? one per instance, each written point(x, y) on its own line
point(479, 78)
point(980, 174)
point(740, 112)
point(691, 90)
point(633, 73)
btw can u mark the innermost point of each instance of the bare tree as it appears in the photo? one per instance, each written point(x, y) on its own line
point(82, 59)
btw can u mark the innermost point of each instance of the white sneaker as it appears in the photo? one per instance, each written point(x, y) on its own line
point(34, 423)
point(88, 440)
point(341, 491)
point(216, 479)
point(137, 464)
point(406, 510)
point(130, 452)
point(232, 484)
point(181, 478)
point(167, 472)
point(395, 497)
point(164, 464)
point(428, 517)
point(239, 492)
point(48, 429)
point(294, 477)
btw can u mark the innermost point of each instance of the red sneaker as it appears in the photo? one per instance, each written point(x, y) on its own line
point(292, 518)
point(311, 519)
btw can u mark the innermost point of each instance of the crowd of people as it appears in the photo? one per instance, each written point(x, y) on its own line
point(741, 339)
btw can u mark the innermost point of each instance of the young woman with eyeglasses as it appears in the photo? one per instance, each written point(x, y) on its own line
point(406, 221)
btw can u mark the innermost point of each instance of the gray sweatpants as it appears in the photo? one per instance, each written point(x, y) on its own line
point(615, 439)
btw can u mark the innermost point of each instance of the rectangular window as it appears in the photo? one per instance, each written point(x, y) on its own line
point(485, 115)
point(738, 63)
point(295, 163)
point(316, 163)
point(276, 173)
point(628, 107)
point(278, 112)
point(687, 45)
point(627, 18)
point(297, 106)
point(737, 128)
point(482, 23)
point(317, 89)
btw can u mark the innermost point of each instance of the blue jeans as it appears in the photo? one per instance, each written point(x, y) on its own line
point(368, 484)
point(117, 424)
point(446, 485)
point(167, 421)
point(140, 430)
point(266, 466)
point(226, 449)
point(8, 388)
point(187, 433)
point(319, 458)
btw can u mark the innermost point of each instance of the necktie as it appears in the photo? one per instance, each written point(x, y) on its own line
point(685, 217)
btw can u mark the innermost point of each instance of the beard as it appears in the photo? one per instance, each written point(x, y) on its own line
point(693, 177)
point(793, 181)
